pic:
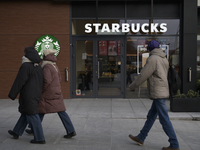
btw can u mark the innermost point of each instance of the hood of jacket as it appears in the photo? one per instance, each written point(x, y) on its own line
point(50, 57)
point(158, 52)
point(33, 56)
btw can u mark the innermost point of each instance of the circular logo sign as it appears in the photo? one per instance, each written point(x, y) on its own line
point(47, 42)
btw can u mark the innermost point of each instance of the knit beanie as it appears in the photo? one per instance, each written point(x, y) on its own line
point(153, 44)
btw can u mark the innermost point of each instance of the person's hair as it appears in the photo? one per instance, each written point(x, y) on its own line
point(29, 48)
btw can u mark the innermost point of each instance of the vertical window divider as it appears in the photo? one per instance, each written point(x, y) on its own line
point(97, 15)
point(151, 11)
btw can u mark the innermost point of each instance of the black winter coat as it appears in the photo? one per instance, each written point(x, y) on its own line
point(28, 83)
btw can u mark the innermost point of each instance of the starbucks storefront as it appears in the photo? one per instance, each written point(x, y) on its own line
point(109, 44)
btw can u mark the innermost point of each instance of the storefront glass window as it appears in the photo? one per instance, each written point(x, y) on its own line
point(78, 26)
point(109, 67)
point(198, 59)
point(137, 55)
point(84, 68)
point(198, 47)
point(110, 22)
point(137, 27)
point(173, 26)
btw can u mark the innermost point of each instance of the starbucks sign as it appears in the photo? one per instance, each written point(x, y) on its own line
point(47, 42)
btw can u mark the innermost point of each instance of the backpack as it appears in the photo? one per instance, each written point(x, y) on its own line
point(174, 81)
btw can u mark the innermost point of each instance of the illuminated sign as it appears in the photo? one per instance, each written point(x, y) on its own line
point(126, 27)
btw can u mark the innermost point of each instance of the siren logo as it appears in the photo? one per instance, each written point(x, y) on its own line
point(47, 42)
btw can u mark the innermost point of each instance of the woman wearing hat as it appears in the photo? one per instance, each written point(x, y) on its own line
point(52, 99)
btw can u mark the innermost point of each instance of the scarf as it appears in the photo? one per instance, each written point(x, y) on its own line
point(48, 62)
point(25, 59)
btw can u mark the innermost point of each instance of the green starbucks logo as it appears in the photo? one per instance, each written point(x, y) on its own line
point(47, 42)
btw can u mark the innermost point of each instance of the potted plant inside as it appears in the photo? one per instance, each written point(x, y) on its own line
point(189, 102)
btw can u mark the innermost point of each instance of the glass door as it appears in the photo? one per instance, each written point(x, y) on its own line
point(96, 66)
point(109, 68)
point(82, 68)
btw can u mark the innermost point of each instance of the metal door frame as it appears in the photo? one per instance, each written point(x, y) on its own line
point(95, 40)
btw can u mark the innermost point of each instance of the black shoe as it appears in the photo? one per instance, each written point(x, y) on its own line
point(37, 142)
point(68, 136)
point(29, 131)
point(15, 136)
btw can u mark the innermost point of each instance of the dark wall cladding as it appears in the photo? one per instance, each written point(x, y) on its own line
point(139, 9)
point(127, 9)
point(110, 9)
point(83, 9)
point(166, 9)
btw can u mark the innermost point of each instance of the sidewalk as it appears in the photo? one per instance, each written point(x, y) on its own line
point(101, 124)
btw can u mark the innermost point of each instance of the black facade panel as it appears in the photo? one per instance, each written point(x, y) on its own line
point(83, 9)
point(189, 52)
point(189, 60)
point(109, 9)
point(166, 10)
point(190, 14)
point(139, 9)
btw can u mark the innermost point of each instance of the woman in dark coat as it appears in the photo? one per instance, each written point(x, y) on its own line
point(28, 83)
point(52, 99)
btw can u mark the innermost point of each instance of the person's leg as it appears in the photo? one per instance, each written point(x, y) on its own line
point(29, 131)
point(166, 123)
point(20, 125)
point(41, 117)
point(151, 117)
point(66, 122)
point(35, 122)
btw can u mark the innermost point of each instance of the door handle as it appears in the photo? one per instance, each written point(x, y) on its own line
point(66, 74)
point(98, 69)
point(190, 74)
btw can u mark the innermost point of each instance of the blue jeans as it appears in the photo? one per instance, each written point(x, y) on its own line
point(159, 109)
point(34, 122)
point(65, 120)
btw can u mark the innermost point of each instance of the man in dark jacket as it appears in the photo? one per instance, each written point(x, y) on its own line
point(28, 83)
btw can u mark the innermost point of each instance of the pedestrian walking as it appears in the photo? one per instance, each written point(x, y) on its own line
point(52, 99)
point(28, 83)
point(155, 72)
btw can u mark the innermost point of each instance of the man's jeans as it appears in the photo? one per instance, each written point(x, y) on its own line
point(159, 109)
point(32, 120)
point(65, 120)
